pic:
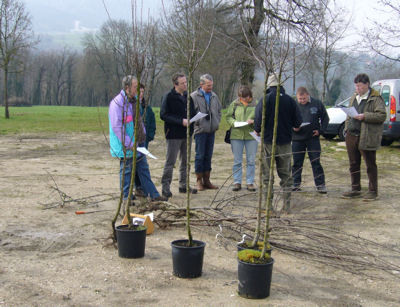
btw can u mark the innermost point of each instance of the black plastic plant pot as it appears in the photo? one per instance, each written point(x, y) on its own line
point(187, 261)
point(242, 246)
point(131, 242)
point(255, 279)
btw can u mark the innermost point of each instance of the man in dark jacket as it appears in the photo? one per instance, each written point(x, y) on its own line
point(364, 135)
point(289, 119)
point(149, 121)
point(315, 121)
point(174, 114)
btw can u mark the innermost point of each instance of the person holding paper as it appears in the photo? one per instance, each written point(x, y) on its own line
point(121, 124)
point(205, 101)
point(363, 136)
point(174, 114)
point(289, 117)
point(306, 139)
point(242, 110)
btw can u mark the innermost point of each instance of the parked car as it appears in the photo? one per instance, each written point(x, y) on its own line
point(390, 92)
point(336, 120)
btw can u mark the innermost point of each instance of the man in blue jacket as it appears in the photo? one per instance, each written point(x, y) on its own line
point(289, 119)
point(316, 118)
point(121, 123)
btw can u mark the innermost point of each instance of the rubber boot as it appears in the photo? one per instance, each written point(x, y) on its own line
point(207, 183)
point(199, 182)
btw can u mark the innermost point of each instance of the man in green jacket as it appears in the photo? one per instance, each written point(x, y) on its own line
point(363, 136)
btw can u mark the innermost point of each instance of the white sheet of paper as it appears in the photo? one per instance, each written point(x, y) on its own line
point(144, 151)
point(350, 111)
point(304, 124)
point(197, 117)
point(240, 124)
point(255, 136)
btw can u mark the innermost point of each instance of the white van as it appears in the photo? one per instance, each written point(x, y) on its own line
point(390, 92)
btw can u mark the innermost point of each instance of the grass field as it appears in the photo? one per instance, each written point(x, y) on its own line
point(62, 119)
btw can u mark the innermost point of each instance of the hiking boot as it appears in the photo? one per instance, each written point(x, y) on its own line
point(351, 194)
point(199, 182)
point(140, 193)
point(207, 183)
point(251, 187)
point(237, 187)
point(322, 189)
point(167, 194)
point(191, 190)
point(370, 196)
point(160, 198)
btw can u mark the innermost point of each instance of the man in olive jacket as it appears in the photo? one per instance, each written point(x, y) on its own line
point(363, 136)
point(205, 101)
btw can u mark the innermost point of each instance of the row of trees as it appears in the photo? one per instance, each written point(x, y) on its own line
point(229, 37)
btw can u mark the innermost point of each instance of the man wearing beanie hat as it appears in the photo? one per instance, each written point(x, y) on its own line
point(289, 119)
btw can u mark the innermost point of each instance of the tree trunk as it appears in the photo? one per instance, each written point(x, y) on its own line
point(7, 114)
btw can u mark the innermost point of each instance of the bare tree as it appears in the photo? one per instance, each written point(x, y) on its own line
point(290, 25)
point(383, 36)
point(188, 38)
point(333, 26)
point(15, 37)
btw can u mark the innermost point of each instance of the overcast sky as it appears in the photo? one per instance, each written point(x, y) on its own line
point(49, 16)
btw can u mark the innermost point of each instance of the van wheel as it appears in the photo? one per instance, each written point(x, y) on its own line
point(386, 142)
point(341, 133)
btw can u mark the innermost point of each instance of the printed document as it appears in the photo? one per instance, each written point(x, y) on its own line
point(240, 124)
point(144, 151)
point(350, 111)
point(197, 117)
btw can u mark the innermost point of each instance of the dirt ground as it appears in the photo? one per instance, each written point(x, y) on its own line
point(53, 257)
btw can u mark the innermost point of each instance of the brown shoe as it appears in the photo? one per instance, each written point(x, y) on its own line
point(351, 194)
point(370, 196)
point(199, 182)
point(251, 187)
point(237, 187)
point(207, 183)
point(160, 198)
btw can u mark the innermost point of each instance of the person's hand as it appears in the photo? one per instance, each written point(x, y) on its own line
point(296, 129)
point(258, 133)
point(315, 133)
point(250, 121)
point(360, 116)
point(184, 122)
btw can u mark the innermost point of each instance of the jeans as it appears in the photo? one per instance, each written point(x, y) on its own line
point(313, 148)
point(369, 157)
point(174, 146)
point(251, 152)
point(143, 172)
point(204, 151)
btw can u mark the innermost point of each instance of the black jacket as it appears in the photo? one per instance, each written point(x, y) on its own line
point(289, 117)
point(173, 111)
point(313, 112)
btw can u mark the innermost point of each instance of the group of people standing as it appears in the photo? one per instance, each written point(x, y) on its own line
point(300, 125)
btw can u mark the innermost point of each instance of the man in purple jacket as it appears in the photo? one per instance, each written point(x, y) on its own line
point(121, 119)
